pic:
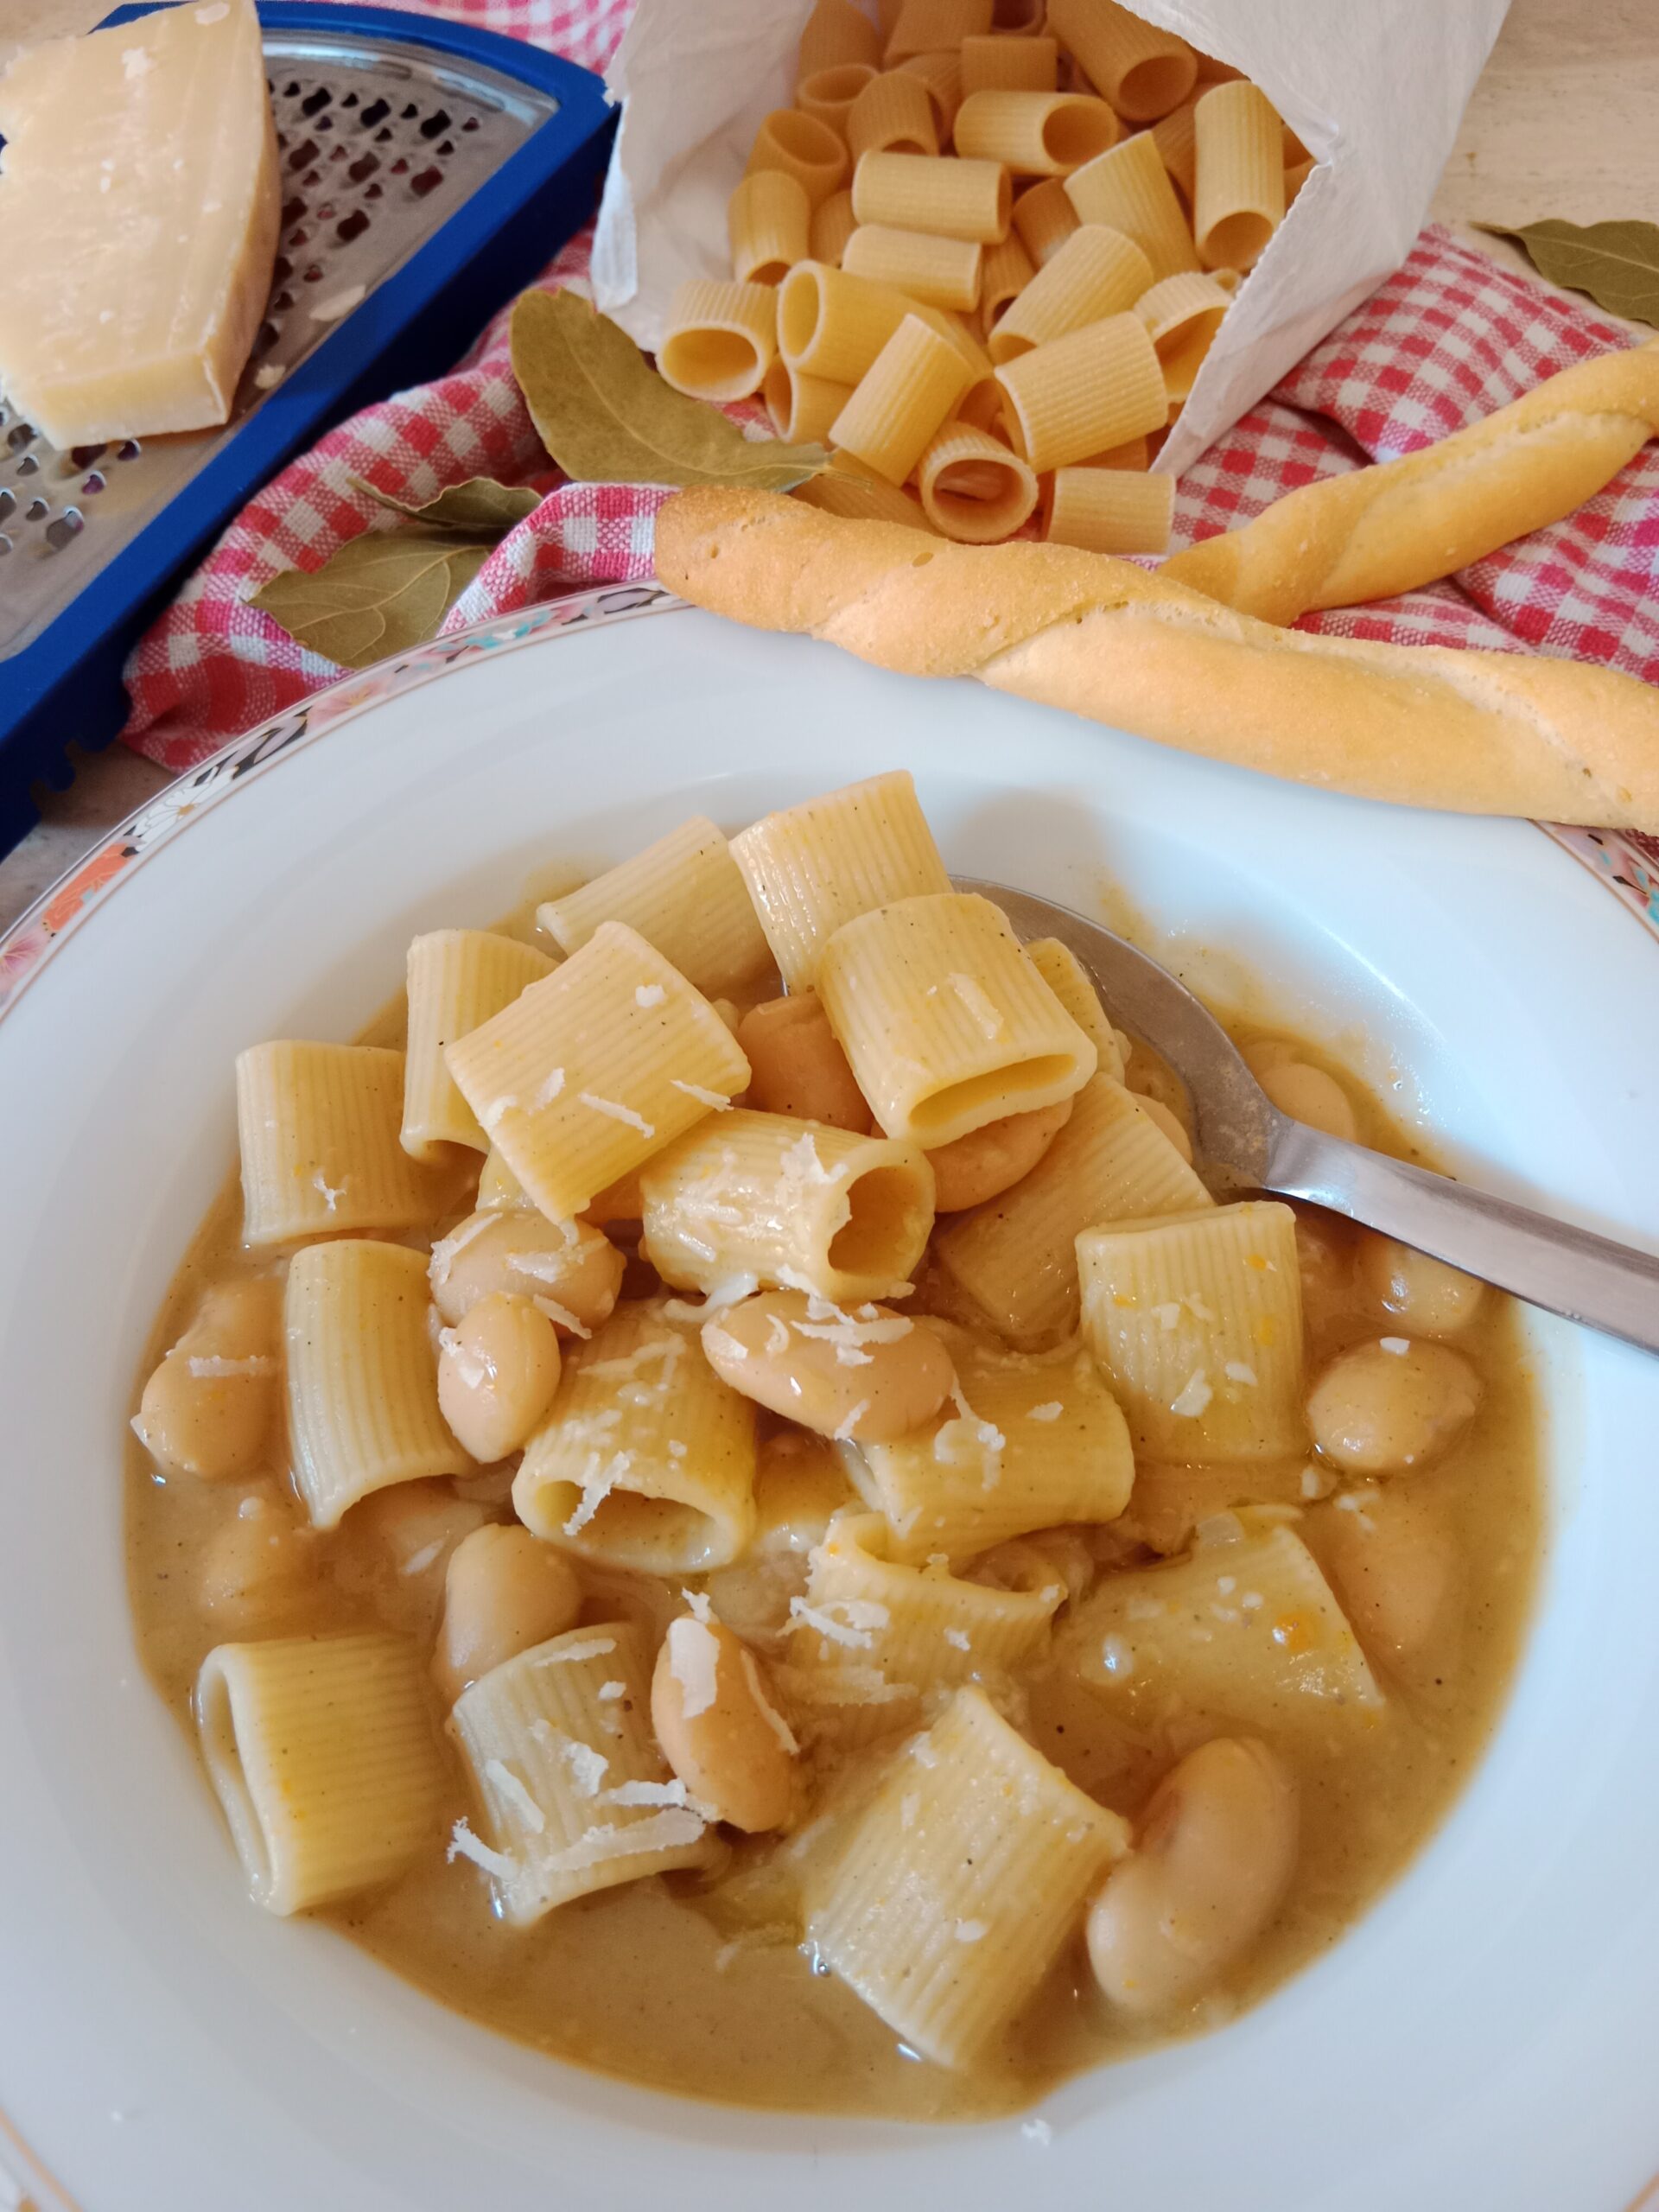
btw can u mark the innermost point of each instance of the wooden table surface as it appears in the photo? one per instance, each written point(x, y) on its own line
point(1561, 123)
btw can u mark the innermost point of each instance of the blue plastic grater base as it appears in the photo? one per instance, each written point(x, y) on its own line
point(60, 665)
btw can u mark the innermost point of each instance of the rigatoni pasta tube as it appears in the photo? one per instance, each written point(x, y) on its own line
point(1016, 1255)
point(801, 408)
point(833, 224)
point(1070, 981)
point(960, 1883)
point(926, 26)
point(362, 1374)
point(1007, 273)
point(813, 867)
point(686, 895)
point(1078, 394)
point(1238, 199)
point(973, 488)
point(1129, 188)
point(875, 1634)
point(1027, 1443)
point(942, 272)
point(323, 1752)
point(794, 1203)
point(1094, 273)
point(1196, 1319)
point(646, 1459)
point(828, 96)
point(900, 401)
point(1175, 136)
point(767, 222)
point(1036, 134)
point(946, 199)
point(574, 1794)
point(942, 75)
point(320, 1130)
point(946, 1024)
point(720, 339)
point(803, 147)
point(837, 32)
point(1180, 308)
point(1144, 72)
point(587, 1072)
point(833, 324)
point(456, 979)
point(893, 113)
point(1044, 219)
point(1288, 1664)
point(1009, 64)
point(1108, 510)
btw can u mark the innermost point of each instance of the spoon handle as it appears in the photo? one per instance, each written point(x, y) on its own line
point(1611, 1287)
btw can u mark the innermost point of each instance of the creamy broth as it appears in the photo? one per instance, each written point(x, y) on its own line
point(699, 1981)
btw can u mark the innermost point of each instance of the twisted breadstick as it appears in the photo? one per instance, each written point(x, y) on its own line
point(1475, 732)
point(1404, 522)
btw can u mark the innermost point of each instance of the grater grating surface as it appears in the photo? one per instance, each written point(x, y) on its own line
point(381, 141)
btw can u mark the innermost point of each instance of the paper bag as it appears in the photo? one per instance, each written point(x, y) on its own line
point(1374, 89)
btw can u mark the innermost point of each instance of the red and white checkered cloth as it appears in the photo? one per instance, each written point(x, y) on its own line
point(1445, 339)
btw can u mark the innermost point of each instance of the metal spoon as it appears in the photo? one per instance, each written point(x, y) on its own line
point(1246, 1143)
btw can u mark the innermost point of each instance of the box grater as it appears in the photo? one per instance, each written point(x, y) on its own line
point(428, 171)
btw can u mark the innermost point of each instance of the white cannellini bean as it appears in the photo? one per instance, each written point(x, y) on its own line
point(862, 1372)
point(986, 1162)
point(505, 1589)
point(1209, 1872)
point(569, 1263)
point(719, 1726)
point(1392, 1403)
point(1394, 1557)
point(1307, 1094)
point(1430, 1297)
point(498, 1369)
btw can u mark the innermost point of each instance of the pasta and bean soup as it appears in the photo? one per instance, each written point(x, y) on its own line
point(722, 1494)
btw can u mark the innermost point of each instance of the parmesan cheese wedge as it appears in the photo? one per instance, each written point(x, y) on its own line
point(139, 202)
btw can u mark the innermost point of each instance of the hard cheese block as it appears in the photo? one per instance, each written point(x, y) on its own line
point(139, 205)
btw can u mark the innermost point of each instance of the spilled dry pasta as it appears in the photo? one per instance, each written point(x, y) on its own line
point(782, 1540)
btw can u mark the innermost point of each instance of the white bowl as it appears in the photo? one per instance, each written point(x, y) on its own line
point(1484, 2037)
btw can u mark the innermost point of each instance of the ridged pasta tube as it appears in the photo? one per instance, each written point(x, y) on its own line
point(946, 199)
point(1036, 134)
point(574, 1794)
point(1027, 1442)
point(795, 1203)
point(684, 895)
point(946, 1024)
point(592, 1070)
point(320, 1127)
point(1144, 72)
point(1238, 197)
point(1078, 394)
point(1093, 273)
point(456, 979)
point(973, 488)
point(646, 1459)
point(1196, 1319)
point(1477, 733)
point(1378, 531)
point(960, 1883)
point(362, 1374)
point(1044, 219)
point(1108, 510)
point(720, 339)
point(1128, 187)
point(1001, 64)
point(813, 867)
point(1016, 1255)
point(768, 220)
point(323, 1752)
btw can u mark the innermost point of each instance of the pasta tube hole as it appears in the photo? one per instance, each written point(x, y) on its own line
point(800, 313)
point(1155, 86)
point(655, 1536)
point(944, 1109)
point(719, 364)
point(216, 1724)
point(1238, 241)
point(890, 1213)
point(1074, 133)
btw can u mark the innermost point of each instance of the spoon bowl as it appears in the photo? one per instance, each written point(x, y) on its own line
point(1243, 1142)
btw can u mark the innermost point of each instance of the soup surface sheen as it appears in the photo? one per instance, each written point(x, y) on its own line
point(701, 1982)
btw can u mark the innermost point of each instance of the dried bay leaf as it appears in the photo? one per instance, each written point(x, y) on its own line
point(607, 416)
point(1616, 263)
point(379, 594)
point(478, 508)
